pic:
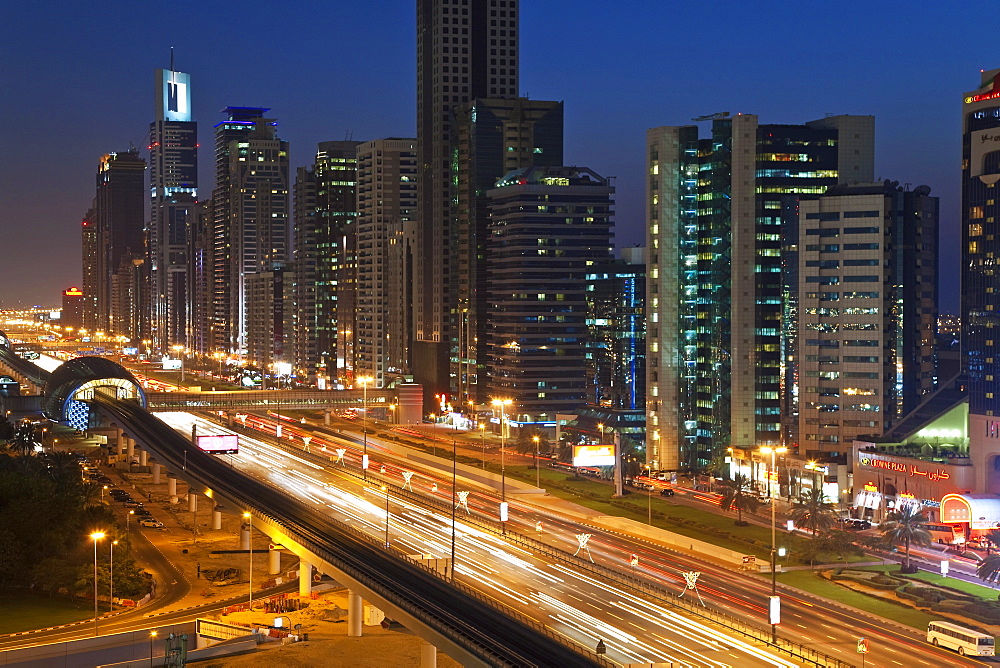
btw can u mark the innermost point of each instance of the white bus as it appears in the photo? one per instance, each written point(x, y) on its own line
point(965, 641)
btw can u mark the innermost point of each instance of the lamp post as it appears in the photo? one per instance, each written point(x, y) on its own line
point(111, 581)
point(482, 433)
point(503, 403)
point(454, 505)
point(128, 521)
point(535, 440)
point(103, 490)
point(96, 536)
point(364, 380)
point(152, 637)
point(249, 518)
point(774, 550)
point(180, 354)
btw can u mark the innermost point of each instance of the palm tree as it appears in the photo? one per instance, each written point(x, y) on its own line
point(526, 441)
point(814, 511)
point(905, 525)
point(738, 494)
point(989, 568)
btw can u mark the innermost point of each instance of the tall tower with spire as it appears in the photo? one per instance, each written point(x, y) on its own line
point(173, 172)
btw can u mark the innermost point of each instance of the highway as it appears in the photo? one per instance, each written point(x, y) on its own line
point(569, 600)
point(809, 621)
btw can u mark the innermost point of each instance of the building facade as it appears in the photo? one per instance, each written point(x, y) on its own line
point(549, 226)
point(120, 212)
point(867, 311)
point(88, 229)
point(465, 50)
point(173, 175)
point(491, 137)
point(387, 202)
point(251, 223)
point(714, 283)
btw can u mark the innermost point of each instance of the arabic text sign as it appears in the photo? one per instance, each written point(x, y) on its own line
point(907, 469)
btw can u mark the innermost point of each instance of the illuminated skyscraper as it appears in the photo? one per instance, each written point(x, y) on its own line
point(250, 206)
point(715, 297)
point(173, 173)
point(466, 49)
point(88, 230)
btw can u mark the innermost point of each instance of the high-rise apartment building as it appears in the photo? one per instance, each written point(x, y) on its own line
point(251, 223)
point(199, 281)
point(387, 203)
point(271, 321)
point(120, 239)
point(616, 324)
point(73, 303)
point(173, 172)
point(714, 283)
point(491, 138)
point(305, 259)
point(88, 228)
point(466, 49)
point(980, 248)
point(867, 310)
point(549, 226)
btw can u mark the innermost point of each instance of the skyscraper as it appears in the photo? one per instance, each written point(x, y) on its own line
point(549, 226)
point(491, 138)
point(173, 173)
point(120, 240)
point(88, 228)
point(867, 310)
point(714, 283)
point(250, 206)
point(980, 284)
point(466, 49)
point(387, 202)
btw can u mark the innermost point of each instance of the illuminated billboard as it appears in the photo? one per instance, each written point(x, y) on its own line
point(222, 444)
point(593, 455)
point(171, 365)
point(173, 99)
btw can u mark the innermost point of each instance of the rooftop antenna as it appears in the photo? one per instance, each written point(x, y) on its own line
point(171, 59)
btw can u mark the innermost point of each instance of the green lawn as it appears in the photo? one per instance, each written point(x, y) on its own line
point(812, 582)
point(987, 593)
point(24, 613)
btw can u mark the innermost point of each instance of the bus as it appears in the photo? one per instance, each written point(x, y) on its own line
point(961, 639)
point(944, 533)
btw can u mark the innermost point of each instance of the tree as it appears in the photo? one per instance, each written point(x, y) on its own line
point(23, 441)
point(842, 544)
point(989, 568)
point(738, 494)
point(814, 511)
point(905, 525)
point(526, 441)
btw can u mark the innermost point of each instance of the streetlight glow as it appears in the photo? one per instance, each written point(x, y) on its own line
point(96, 536)
point(773, 451)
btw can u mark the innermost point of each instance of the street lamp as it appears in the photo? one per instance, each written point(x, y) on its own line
point(96, 536)
point(774, 550)
point(503, 403)
point(364, 380)
point(179, 350)
point(128, 521)
point(111, 593)
point(103, 490)
point(249, 518)
point(152, 637)
point(535, 439)
point(482, 433)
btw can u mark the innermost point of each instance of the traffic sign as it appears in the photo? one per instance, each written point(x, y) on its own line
point(862, 645)
point(634, 560)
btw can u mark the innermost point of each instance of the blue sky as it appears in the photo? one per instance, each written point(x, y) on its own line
point(77, 82)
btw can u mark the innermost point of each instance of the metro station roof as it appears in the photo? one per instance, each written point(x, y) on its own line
point(72, 376)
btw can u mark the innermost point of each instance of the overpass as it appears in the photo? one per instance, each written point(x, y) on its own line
point(473, 629)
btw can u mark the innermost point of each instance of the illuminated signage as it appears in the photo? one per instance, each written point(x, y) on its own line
point(870, 487)
point(980, 98)
point(73, 292)
point(593, 455)
point(221, 444)
point(899, 467)
point(173, 100)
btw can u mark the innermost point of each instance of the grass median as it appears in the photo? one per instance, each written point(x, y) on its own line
point(28, 612)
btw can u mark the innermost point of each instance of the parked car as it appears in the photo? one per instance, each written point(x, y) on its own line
point(149, 522)
point(132, 503)
point(667, 491)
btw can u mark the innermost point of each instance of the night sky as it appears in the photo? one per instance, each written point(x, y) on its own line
point(76, 82)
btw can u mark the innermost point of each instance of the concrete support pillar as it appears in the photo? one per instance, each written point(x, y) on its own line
point(130, 447)
point(156, 468)
point(305, 578)
point(192, 502)
point(428, 655)
point(354, 612)
point(119, 443)
point(326, 421)
point(217, 518)
point(245, 537)
point(143, 457)
point(171, 485)
point(274, 561)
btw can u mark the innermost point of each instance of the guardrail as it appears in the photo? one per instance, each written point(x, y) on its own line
point(661, 595)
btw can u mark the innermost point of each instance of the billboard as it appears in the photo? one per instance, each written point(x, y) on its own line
point(593, 455)
point(222, 444)
point(171, 365)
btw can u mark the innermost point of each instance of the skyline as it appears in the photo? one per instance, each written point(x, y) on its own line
point(913, 87)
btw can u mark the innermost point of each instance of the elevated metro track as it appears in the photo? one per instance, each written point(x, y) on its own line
point(458, 618)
